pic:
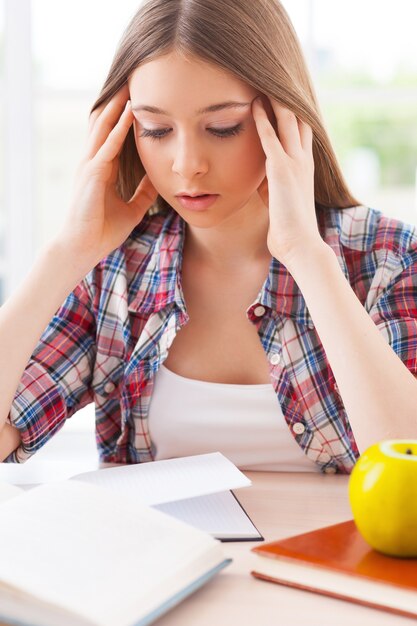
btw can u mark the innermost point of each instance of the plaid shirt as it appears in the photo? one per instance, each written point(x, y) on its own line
point(110, 336)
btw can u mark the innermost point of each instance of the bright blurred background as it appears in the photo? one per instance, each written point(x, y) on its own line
point(54, 57)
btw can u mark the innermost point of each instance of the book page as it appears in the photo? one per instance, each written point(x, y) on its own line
point(97, 553)
point(219, 514)
point(169, 480)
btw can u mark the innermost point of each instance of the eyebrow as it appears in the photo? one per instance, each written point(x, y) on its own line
point(210, 109)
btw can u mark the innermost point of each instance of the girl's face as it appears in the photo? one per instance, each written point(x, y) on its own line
point(187, 148)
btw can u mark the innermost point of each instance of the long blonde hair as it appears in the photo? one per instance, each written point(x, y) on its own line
point(253, 39)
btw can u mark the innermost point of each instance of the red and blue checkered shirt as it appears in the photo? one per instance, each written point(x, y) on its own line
point(110, 336)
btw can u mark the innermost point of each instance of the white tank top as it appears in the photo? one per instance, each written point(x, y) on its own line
point(243, 422)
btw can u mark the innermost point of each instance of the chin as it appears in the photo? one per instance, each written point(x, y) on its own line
point(200, 219)
point(206, 221)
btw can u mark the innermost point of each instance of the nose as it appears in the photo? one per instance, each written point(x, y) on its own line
point(190, 158)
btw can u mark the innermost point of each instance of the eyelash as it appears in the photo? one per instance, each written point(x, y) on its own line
point(220, 133)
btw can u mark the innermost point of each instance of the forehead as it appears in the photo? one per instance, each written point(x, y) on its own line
point(174, 79)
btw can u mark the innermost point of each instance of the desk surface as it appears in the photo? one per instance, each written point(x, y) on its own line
point(280, 505)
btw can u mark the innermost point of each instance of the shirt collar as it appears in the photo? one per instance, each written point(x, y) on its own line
point(158, 284)
point(281, 293)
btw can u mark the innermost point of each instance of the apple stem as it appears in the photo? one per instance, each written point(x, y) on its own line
point(409, 451)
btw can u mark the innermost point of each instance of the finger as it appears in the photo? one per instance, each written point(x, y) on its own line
point(101, 125)
point(306, 136)
point(114, 140)
point(94, 115)
point(267, 134)
point(144, 196)
point(288, 131)
point(104, 119)
point(122, 94)
point(114, 172)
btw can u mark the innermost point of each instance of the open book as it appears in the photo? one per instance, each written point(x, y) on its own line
point(76, 554)
point(194, 489)
point(90, 551)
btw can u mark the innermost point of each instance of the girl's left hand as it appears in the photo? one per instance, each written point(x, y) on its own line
point(288, 189)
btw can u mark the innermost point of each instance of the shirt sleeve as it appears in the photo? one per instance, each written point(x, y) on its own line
point(395, 310)
point(57, 380)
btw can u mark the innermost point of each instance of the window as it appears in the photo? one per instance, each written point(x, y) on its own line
point(364, 62)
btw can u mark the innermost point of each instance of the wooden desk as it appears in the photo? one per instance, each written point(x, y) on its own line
point(280, 505)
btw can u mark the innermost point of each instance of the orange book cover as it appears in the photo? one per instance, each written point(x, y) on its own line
point(336, 561)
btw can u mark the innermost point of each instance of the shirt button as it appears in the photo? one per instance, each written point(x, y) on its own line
point(259, 311)
point(275, 358)
point(109, 387)
point(298, 428)
point(330, 470)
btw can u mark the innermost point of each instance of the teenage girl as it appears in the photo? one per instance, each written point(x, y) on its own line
point(215, 286)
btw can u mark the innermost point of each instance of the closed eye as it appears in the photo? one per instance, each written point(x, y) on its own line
point(221, 133)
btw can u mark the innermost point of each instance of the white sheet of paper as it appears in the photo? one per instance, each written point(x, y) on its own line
point(169, 480)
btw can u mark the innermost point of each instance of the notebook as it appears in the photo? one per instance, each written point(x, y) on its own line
point(194, 489)
point(336, 561)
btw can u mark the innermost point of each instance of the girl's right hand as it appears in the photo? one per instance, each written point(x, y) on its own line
point(99, 220)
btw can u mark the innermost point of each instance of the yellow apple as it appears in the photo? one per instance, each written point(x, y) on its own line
point(383, 496)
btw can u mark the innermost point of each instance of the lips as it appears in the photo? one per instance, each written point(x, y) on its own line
point(197, 203)
point(194, 194)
